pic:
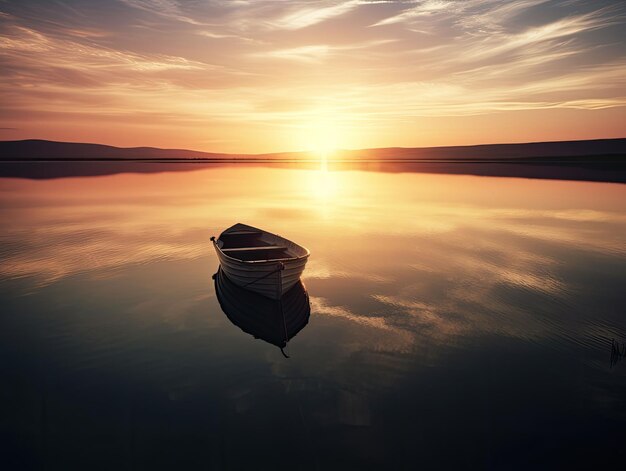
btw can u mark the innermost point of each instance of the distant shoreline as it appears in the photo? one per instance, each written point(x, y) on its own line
point(590, 159)
point(612, 150)
point(606, 171)
point(601, 160)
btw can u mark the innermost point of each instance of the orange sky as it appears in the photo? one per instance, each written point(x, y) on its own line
point(268, 75)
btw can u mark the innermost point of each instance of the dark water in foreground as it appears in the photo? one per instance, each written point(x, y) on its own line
point(456, 321)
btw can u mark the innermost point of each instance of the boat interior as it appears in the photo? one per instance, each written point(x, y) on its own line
point(249, 245)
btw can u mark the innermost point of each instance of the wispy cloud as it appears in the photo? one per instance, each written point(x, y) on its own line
point(166, 8)
point(313, 53)
point(425, 8)
point(561, 28)
point(318, 52)
point(468, 13)
point(309, 16)
point(67, 53)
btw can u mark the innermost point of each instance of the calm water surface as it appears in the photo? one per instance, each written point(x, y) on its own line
point(456, 321)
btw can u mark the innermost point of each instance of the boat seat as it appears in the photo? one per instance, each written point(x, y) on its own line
point(250, 249)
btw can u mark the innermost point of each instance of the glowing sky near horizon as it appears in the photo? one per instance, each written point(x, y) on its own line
point(267, 75)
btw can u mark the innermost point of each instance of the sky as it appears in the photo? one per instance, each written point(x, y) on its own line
point(254, 76)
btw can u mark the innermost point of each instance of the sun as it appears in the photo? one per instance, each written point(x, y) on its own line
point(321, 137)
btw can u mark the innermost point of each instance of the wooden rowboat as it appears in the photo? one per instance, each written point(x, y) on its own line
point(274, 321)
point(260, 261)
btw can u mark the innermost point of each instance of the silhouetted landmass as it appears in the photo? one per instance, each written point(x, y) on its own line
point(568, 150)
point(597, 160)
point(35, 149)
point(50, 150)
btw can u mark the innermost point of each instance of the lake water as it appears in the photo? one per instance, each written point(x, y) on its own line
point(456, 321)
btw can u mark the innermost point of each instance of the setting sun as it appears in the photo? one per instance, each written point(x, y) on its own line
point(320, 137)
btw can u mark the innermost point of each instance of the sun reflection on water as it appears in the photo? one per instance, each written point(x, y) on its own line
point(324, 186)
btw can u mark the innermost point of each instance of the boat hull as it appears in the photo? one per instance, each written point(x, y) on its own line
point(271, 279)
point(257, 260)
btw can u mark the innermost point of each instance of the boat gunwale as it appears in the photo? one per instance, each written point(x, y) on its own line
point(267, 261)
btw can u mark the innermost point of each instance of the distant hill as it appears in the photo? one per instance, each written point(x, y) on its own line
point(68, 151)
point(35, 149)
point(533, 150)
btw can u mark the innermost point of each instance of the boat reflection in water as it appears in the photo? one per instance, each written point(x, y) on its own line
point(274, 320)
